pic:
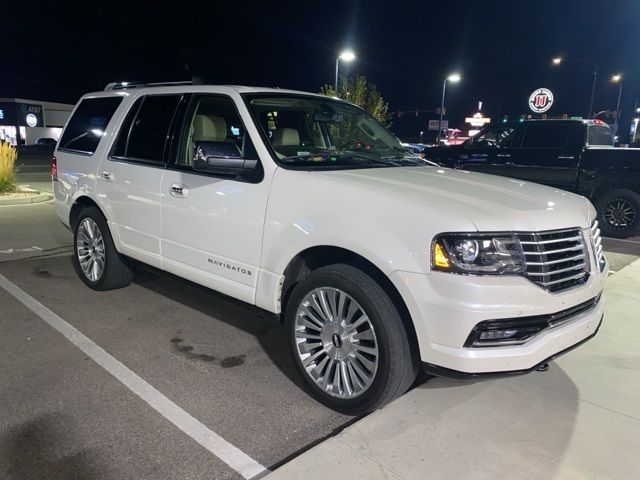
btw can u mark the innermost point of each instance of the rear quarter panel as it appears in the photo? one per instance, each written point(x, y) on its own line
point(78, 172)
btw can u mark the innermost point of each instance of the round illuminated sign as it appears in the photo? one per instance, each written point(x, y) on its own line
point(32, 120)
point(540, 100)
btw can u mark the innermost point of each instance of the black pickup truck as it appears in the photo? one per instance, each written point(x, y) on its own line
point(573, 155)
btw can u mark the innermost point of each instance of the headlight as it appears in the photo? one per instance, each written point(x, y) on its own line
point(474, 253)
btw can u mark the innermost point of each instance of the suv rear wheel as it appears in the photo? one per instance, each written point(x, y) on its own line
point(348, 341)
point(619, 213)
point(95, 258)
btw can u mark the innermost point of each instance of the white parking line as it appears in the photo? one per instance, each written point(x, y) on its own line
point(229, 454)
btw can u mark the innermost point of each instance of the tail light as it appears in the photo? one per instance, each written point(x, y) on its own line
point(54, 168)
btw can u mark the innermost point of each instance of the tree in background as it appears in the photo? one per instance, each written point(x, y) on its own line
point(361, 92)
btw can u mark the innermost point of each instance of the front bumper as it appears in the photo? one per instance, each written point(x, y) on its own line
point(446, 307)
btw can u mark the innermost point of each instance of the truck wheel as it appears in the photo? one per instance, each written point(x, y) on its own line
point(348, 341)
point(619, 213)
point(95, 258)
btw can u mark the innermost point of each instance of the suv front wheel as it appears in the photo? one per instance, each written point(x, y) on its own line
point(95, 258)
point(348, 341)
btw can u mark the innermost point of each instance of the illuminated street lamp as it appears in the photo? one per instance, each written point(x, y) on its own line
point(454, 78)
point(346, 56)
point(559, 60)
point(617, 78)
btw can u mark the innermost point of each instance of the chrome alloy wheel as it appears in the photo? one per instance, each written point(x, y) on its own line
point(90, 249)
point(619, 213)
point(336, 342)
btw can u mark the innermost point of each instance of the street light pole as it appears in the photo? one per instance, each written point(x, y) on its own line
point(347, 56)
point(559, 60)
point(454, 77)
point(593, 89)
point(617, 79)
point(444, 88)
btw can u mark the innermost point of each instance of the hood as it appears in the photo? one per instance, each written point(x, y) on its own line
point(489, 202)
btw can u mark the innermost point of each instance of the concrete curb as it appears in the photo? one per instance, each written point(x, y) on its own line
point(39, 198)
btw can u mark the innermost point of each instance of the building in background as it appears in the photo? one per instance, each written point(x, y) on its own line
point(22, 122)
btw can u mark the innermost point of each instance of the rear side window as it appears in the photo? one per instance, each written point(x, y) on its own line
point(545, 136)
point(120, 147)
point(88, 123)
point(147, 134)
point(599, 135)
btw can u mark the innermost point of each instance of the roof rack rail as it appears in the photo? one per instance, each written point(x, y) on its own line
point(124, 85)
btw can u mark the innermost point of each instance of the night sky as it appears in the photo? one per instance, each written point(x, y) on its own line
point(502, 48)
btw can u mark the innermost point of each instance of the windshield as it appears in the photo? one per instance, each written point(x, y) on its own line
point(496, 137)
point(314, 132)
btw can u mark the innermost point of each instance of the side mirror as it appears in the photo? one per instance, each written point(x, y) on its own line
point(225, 165)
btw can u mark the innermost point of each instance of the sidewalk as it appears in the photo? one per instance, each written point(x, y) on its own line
point(581, 419)
point(40, 185)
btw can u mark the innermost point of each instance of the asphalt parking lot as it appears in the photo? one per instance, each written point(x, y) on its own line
point(218, 371)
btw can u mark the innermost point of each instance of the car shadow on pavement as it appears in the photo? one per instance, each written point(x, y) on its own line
point(37, 449)
point(264, 326)
point(536, 410)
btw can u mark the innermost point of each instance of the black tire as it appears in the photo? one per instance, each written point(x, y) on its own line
point(117, 271)
point(397, 367)
point(609, 225)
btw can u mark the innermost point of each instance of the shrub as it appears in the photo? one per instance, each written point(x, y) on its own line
point(8, 156)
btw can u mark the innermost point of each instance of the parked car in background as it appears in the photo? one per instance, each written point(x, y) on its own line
point(454, 137)
point(573, 155)
point(414, 147)
point(378, 263)
point(46, 142)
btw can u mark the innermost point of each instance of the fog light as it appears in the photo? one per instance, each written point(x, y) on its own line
point(498, 334)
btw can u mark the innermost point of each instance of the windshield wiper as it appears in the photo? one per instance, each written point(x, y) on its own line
point(345, 155)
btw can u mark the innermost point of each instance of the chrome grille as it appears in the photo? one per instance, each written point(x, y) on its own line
point(556, 260)
point(597, 245)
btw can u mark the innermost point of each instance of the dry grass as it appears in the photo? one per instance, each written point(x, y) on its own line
point(8, 156)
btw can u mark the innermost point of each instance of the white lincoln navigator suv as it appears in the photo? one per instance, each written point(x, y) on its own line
point(378, 263)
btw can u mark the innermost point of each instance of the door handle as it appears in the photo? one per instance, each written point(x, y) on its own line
point(566, 157)
point(504, 155)
point(106, 176)
point(178, 190)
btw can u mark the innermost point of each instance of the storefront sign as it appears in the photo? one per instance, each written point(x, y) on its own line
point(478, 120)
point(30, 115)
point(7, 113)
point(433, 124)
point(540, 100)
point(31, 119)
